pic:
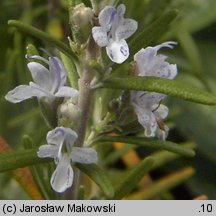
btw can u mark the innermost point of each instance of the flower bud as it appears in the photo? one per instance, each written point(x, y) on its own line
point(82, 15)
point(80, 19)
point(68, 113)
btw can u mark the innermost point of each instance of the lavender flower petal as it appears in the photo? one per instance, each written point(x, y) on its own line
point(48, 151)
point(100, 36)
point(121, 10)
point(62, 178)
point(147, 120)
point(117, 51)
point(56, 136)
point(41, 75)
point(161, 111)
point(61, 134)
point(58, 71)
point(106, 17)
point(125, 30)
point(151, 64)
point(66, 91)
point(24, 92)
point(84, 155)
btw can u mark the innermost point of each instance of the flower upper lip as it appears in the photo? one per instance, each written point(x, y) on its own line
point(49, 83)
point(55, 77)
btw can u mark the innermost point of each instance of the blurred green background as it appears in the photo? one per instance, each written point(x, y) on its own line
point(195, 31)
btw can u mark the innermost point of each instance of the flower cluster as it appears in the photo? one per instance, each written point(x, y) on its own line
point(50, 87)
point(147, 106)
point(113, 31)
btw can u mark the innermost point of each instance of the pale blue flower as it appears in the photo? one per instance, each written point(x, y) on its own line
point(147, 106)
point(114, 29)
point(61, 147)
point(48, 82)
point(149, 63)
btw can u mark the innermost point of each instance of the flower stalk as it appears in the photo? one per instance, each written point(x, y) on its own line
point(84, 101)
point(85, 90)
point(84, 105)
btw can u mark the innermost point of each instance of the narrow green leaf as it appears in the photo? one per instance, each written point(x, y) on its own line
point(154, 9)
point(19, 119)
point(152, 32)
point(204, 11)
point(19, 158)
point(37, 172)
point(151, 143)
point(165, 157)
point(99, 177)
point(191, 50)
point(133, 178)
point(163, 184)
point(113, 157)
point(43, 36)
point(169, 87)
point(81, 193)
point(71, 70)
